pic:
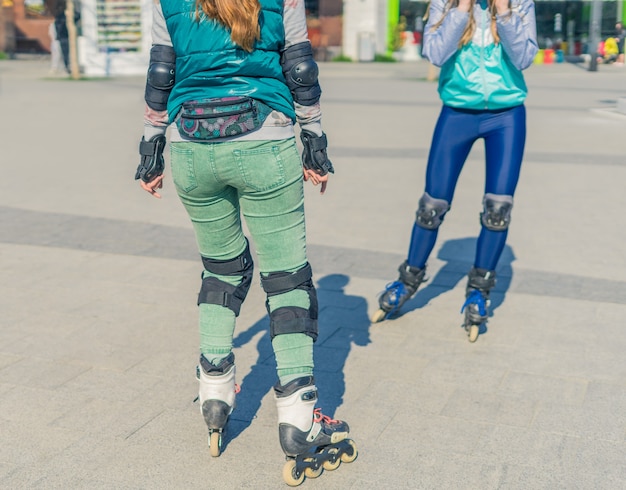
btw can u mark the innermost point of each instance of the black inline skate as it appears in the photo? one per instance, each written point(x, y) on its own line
point(311, 441)
point(476, 306)
point(399, 292)
point(217, 397)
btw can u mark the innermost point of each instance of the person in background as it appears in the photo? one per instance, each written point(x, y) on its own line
point(235, 85)
point(610, 50)
point(482, 47)
point(56, 59)
point(61, 32)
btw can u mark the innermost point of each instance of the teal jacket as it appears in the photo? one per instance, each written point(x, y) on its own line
point(210, 65)
point(481, 74)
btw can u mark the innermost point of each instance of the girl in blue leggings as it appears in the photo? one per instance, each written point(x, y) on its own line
point(482, 46)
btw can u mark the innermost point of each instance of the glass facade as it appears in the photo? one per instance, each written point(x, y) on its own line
point(560, 24)
point(119, 25)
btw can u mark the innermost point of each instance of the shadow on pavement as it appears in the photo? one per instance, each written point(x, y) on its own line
point(343, 321)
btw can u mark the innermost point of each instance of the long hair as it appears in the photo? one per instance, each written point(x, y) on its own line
point(240, 17)
point(468, 33)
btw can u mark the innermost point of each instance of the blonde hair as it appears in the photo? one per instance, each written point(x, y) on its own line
point(468, 33)
point(240, 17)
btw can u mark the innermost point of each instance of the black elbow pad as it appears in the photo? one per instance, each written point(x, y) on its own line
point(301, 73)
point(161, 76)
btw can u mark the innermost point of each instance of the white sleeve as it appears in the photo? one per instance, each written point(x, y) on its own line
point(160, 34)
point(294, 21)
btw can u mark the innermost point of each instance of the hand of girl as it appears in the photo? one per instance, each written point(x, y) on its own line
point(152, 186)
point(316, 178)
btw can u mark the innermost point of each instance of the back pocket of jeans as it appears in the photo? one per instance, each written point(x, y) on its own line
point(262, 169)
point(183, 171)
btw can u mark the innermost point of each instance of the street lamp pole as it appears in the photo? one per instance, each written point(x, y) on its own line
point(594, 33)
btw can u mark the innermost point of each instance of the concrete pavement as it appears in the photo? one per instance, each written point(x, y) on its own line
point(98, 327)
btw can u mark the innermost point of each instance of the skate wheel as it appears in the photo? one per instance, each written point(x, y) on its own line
point(472, 333)
point(348, 458)
point(378, 316)
point(291, 475)
point(312, 473)
point(330, 465)
point(215, 444)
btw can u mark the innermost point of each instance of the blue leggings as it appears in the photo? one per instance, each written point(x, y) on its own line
point(504, 132)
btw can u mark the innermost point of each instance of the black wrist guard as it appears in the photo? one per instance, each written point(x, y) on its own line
point(314, 156)
point(152, 162)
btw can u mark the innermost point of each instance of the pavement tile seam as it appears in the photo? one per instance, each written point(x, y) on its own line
point(524, 281)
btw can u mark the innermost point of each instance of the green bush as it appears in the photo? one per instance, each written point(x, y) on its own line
point(384, 58)
point(396, 40)
point(3, 56)
point(341, 57)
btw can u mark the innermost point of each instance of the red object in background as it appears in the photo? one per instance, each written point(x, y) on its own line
point(314, 34)
point(548, 56)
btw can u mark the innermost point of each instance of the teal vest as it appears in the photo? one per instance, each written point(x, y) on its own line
point(480, 74)
point(481, 78)
point(209, 64)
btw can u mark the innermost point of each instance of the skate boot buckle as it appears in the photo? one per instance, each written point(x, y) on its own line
point(476, 300)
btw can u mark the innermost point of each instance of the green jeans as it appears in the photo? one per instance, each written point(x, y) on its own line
point(261, 180)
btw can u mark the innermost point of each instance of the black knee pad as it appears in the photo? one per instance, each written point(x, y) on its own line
point(430, 211)
point(217, 292)
point(496, 214)
point(292, 319)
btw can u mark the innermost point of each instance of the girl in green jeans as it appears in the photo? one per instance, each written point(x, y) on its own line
point(235, 86)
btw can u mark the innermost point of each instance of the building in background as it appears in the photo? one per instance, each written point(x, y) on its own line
point(365, 29)
point(116, 37)
point(115, 34)
point(325, 24)
point(561, 24)
point(25, 25)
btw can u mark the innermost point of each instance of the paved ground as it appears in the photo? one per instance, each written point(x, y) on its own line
point(98, 335)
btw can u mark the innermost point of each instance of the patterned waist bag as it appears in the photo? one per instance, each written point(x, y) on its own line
point(219, 118)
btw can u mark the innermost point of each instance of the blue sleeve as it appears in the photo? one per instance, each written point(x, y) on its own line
point(441, 43)
point(518, 33)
